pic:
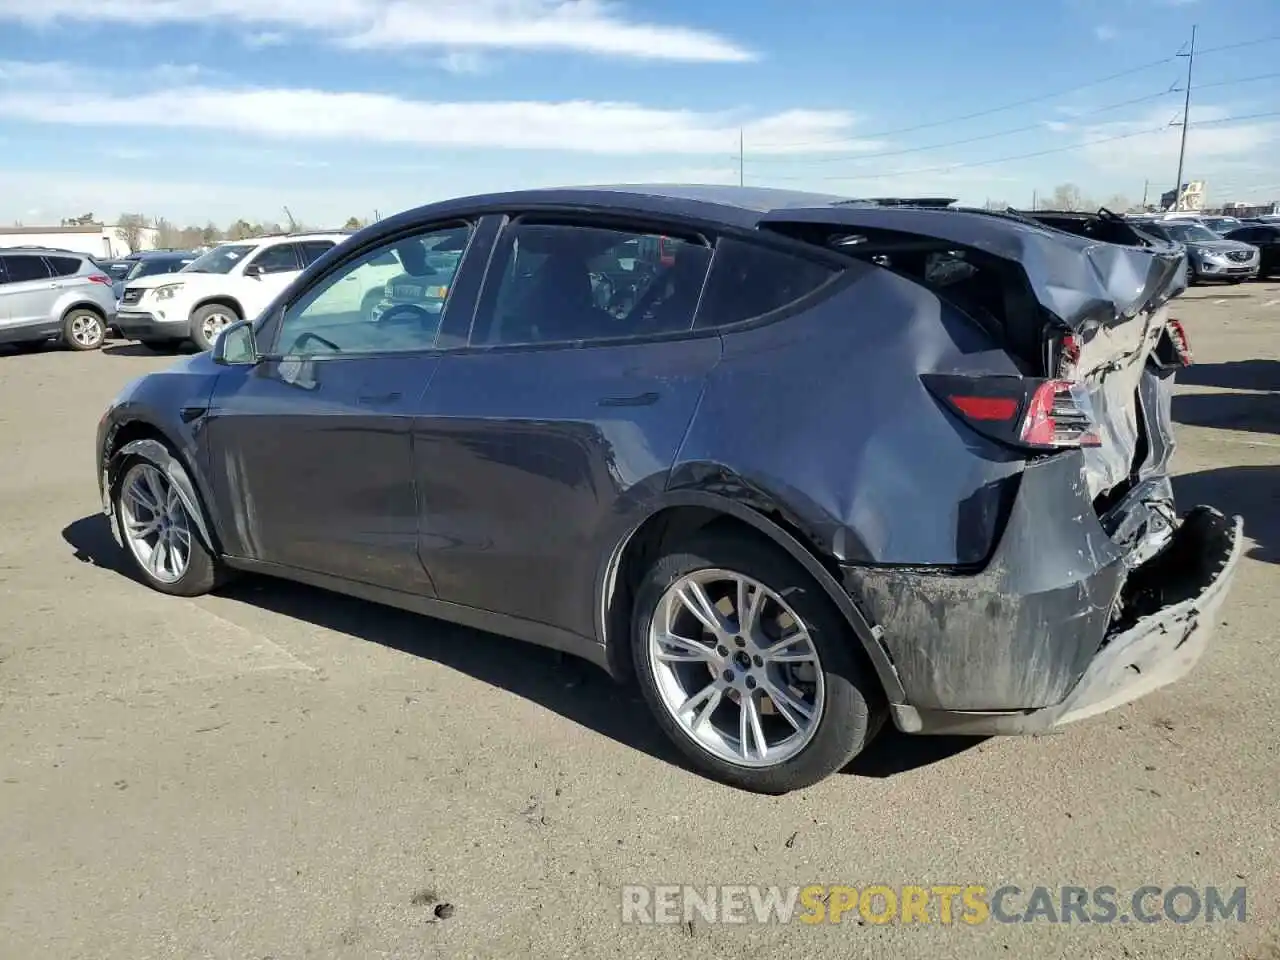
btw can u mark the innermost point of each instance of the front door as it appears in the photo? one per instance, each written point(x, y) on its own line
point(580, 386)
point(265, 276)
point(310, 451)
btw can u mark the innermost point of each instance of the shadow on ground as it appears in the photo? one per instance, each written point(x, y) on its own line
point(130, 349)
point(573, 688)
point(1236, 375)
point(1250, 492)
point(1249, 412)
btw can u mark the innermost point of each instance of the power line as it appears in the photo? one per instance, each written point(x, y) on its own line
point(1036, 99)
point(843, 158)
point(989, 111)
point(1227, 83)
point(1037, 153)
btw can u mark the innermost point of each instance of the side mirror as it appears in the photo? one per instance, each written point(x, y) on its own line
point(256, 270)
point(236, 345)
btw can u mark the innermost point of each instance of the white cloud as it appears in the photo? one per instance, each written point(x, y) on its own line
point(586, 26)
point(1151, 144)
point(462, 62)
point(64, 95)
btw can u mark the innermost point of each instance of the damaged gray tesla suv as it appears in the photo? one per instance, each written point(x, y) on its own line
point(801, 465)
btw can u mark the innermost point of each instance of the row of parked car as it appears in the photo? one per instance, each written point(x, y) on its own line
point(167, 298)
point(1220, 248)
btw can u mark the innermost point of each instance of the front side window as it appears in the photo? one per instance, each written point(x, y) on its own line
point(24, 268)
point(282, 258)
point(221, 259)
point(560, 282)
point(313, 250)
point(389, 299)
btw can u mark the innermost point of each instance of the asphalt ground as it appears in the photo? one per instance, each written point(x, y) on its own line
point(279, 772)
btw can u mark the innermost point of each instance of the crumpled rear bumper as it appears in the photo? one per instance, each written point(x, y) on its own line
point(1171, 610)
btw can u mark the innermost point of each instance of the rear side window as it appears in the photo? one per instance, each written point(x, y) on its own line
point(749, 281)
point(23, 268)
point(562, 282)
point(313, 250)
point(64, 266)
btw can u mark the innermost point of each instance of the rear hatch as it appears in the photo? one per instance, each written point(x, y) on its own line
point(1082, 316)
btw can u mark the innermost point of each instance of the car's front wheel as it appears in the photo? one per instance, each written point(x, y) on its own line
point(159, 534)
point(209, 321)
point(748, 666)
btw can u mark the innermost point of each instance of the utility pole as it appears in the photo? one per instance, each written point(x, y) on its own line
point(1035, 198)
point(1186, 120)
point(742, 159)
point(1146, 185)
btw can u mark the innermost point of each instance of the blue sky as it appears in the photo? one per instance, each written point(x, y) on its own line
point(217, 109)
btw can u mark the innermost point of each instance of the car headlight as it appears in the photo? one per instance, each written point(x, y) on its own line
point(167, 292)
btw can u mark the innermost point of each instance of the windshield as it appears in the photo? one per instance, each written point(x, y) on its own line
point(1190, 232)
point(221, 259)
point(147, 268)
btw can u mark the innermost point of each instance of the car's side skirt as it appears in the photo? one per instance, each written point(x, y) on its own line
point(530, 631)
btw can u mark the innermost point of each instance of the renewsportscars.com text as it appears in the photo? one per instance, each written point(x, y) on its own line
point(965, 905)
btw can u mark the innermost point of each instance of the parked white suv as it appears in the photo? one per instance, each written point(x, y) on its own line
point(236, 280)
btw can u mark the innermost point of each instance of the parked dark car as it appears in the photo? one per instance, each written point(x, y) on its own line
point(1209, 256)
point(1266, 237)
point(832, 462)
point(151, 263)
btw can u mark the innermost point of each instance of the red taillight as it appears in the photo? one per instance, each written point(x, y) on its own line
point(1059, 416)
point(1181, 345)
point(1021, 411)
point(986, 408)
point(99, 278)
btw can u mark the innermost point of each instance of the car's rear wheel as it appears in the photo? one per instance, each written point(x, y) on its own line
point(209, 321)
point(83, 330)
point(159, 533)
point(748, 666)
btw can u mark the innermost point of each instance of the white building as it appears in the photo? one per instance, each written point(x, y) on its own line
point(96, 239)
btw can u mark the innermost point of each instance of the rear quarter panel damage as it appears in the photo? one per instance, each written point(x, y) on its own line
point(823, 418)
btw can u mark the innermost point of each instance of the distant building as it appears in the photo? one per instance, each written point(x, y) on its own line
point(1190, 197)
point(96, 239)
point(1242, 210)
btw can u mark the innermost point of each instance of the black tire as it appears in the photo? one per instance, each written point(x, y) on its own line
point(204, 572)
point(202, 314)
point(83, 329)
point(854, 708)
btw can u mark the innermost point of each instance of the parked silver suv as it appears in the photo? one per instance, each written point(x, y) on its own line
point(47, 294)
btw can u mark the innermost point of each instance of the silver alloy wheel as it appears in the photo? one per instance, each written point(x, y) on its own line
point(86, 329)
point(736, 668)
point(155, 523)
point(214, 324)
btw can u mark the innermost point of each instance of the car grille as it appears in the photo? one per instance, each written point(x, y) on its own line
point(131, 295)
point(1240, 256)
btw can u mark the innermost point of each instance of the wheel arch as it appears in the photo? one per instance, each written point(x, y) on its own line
point(142, 438)
point(679, 515)
point(84, 305)
point(221, 299)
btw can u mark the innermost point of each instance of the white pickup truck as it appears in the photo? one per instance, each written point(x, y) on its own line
point(236, 280)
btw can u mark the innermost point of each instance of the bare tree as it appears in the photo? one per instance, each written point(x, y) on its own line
point(355, 223)
point(1118, 203)
point(1067, 196)
point(130, 227)
point(997, 205)
point(166, 234)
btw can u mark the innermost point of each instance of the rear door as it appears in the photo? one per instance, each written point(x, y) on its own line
point(581, 376)
point(309, 451)
point(31, 289)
